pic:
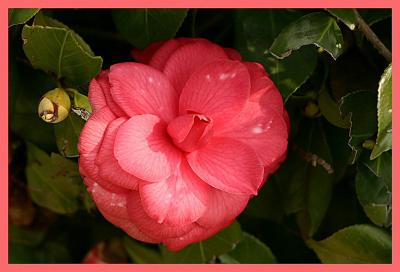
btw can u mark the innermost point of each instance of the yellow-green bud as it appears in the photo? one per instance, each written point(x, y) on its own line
point(54, 106)
point(368, 144)
point(312, 110)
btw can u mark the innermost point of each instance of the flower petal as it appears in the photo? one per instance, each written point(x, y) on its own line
point(141, 89)
point(143, 149)
point(96, 94)
point(228, 165)
point(232, 53)
point(218, 90)
point(90, 140)
point(109, 168)
point(189, 58)
point(149, 226)
point(258, 77)
point(179, 200)
point(145, 55)
point(222, 208)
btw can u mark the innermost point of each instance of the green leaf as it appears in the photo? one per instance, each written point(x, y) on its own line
point(58, 51)
point(249, 251)
point(67, 135)
point(374, 15)
point(360, 107)
point(25, 235)
point(346, 15)
point(355, 244)
point(384, 138)
point(205, 251)
point(142, 27)
point(254, 37)
point(330, 110)
point(374, 190)
point(315, 28)
point(53, 181)
point(141, 253)
point(17, 16)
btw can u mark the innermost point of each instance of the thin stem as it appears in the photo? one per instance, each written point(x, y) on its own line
point(372, 38)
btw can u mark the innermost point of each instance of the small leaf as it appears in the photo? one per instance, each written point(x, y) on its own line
point(315, 28)
point(58, 51)
point(17, 16)
point(374, 190)
point(384, 138)
point(360, 107)
point(346, 15)
point(204, 251)
point(140, 253)
point(67, 135)
point(249, 251)
point(142, 27)
point(330, 110)
point(354, 244)
point(53, 181)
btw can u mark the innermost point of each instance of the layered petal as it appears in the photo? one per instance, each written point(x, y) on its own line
point(177, 201)
point(109, 168)
point(150, 226)
point(144, 56)
point(258, 77)
point(188, 58)
point(218, 90)
point(229, 165)
point(91, 138)
point(143, 149)
point(232, 53)
point(141, 89)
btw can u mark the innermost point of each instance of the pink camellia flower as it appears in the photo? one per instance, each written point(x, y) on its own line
point(178, 144)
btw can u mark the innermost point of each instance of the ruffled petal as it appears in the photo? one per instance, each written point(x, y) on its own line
point(258, 77)
point(96, 95)
point(141, 89)
point(232, 53)
point(109, 168)
point(228, 165)
point(144, 56)
point(179, 200)
point(90, 140)
point(150, 226)
point(143, 149)
point(218, 90)
point(189, 58)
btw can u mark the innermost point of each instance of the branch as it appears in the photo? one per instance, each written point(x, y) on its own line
point(372, 38)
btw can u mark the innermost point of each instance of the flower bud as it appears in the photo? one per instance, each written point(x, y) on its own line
point(368, 144)
point(54, 106)
point(312, 110)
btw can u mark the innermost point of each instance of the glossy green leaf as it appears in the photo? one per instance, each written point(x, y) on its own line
point(141, 253)
point(18, 16)
point(354, 244)
point(249, 251)
point(315, 28)
point(67, 135)
point(373, 187)
point(254, 38)
point(330, 110)
point(346, 15)
point(53, 181)
point(142, 27)
point(384, 138)
point(58, 51)
point(205, 251)
point(360, 107)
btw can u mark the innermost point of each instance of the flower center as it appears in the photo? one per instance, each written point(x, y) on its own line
point(191, 131)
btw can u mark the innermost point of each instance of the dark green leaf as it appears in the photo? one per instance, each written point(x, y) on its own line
point(360, 106)
point(372, 16)
point(140, 253)
point(58, 51)
point(18, 16)
point(330, 110)
point(355, 244)
point(142, 27)
point(384, 138)
point(254, 37)
point(67, 135)
point(374, 190)
point(53, 181)
point(25, 235)
point(346, 15)
point(315, 28)
point(204, 251)
point(249, 251)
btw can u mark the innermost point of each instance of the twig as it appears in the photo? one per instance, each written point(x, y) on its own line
point(372, 38)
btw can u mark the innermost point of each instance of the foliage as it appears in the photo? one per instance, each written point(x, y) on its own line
point(329, 202)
